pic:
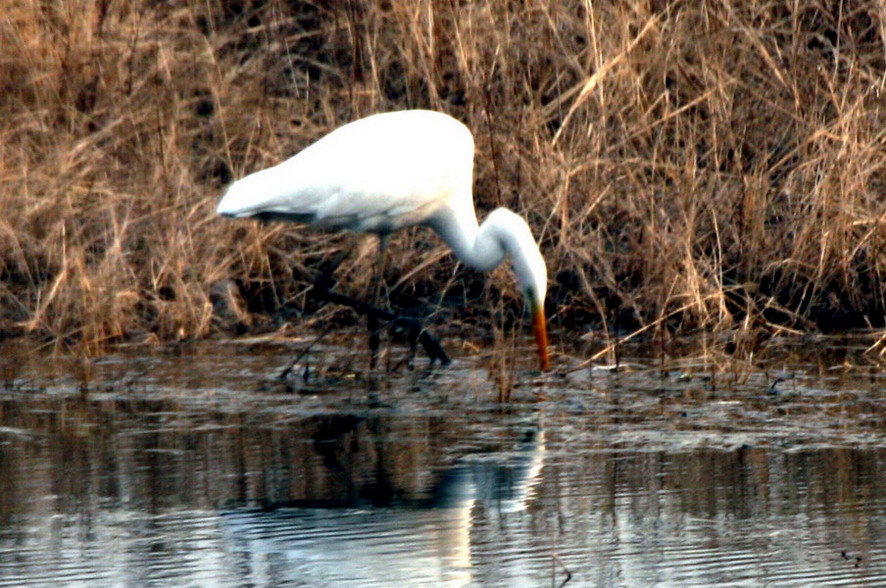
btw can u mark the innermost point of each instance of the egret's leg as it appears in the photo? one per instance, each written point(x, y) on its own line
point(372, 321)
point(324, 280)
point(374, 315)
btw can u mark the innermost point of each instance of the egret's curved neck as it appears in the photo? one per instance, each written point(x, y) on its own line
point(484, 247)
point(474, 246)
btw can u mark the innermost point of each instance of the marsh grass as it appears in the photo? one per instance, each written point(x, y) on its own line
point(686, 165)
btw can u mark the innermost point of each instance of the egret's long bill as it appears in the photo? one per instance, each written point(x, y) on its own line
point(535, 301)
point(541, 335)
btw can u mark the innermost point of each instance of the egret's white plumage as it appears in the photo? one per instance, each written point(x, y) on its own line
point(389, 171)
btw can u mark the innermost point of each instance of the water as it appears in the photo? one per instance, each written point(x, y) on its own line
point(184, 468)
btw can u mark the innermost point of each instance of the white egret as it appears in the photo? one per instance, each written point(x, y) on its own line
point(389, 171)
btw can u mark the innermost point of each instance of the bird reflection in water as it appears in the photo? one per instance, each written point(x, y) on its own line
point(361, 525)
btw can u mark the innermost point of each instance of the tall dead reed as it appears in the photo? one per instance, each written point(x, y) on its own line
point(687, 165)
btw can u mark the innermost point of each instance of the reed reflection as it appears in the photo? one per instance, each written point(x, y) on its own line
point(104, 487)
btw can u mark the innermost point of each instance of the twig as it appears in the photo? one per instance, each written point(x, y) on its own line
point(565, 569)
point(285, 373)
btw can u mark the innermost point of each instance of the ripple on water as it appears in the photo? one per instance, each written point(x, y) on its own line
point(176, 471)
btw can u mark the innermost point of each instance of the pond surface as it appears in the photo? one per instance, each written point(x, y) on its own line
point(173, 468)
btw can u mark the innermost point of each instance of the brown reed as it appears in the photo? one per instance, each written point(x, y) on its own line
point(715, 165)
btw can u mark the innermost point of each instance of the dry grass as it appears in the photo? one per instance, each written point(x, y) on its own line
point(714, 165)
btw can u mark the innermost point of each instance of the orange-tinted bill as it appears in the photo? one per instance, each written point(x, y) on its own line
point(541, 336)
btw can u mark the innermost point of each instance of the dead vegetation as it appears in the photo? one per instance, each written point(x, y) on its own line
point(715, 165)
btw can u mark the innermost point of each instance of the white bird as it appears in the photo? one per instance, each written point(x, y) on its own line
point(393, 170)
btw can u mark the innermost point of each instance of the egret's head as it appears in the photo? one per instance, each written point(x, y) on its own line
point(516, 237)
point(533, 278)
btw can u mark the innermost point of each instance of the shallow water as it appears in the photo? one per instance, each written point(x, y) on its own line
point(183, 468)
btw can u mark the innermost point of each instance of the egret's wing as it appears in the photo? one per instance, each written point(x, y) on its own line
point(376, 174)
